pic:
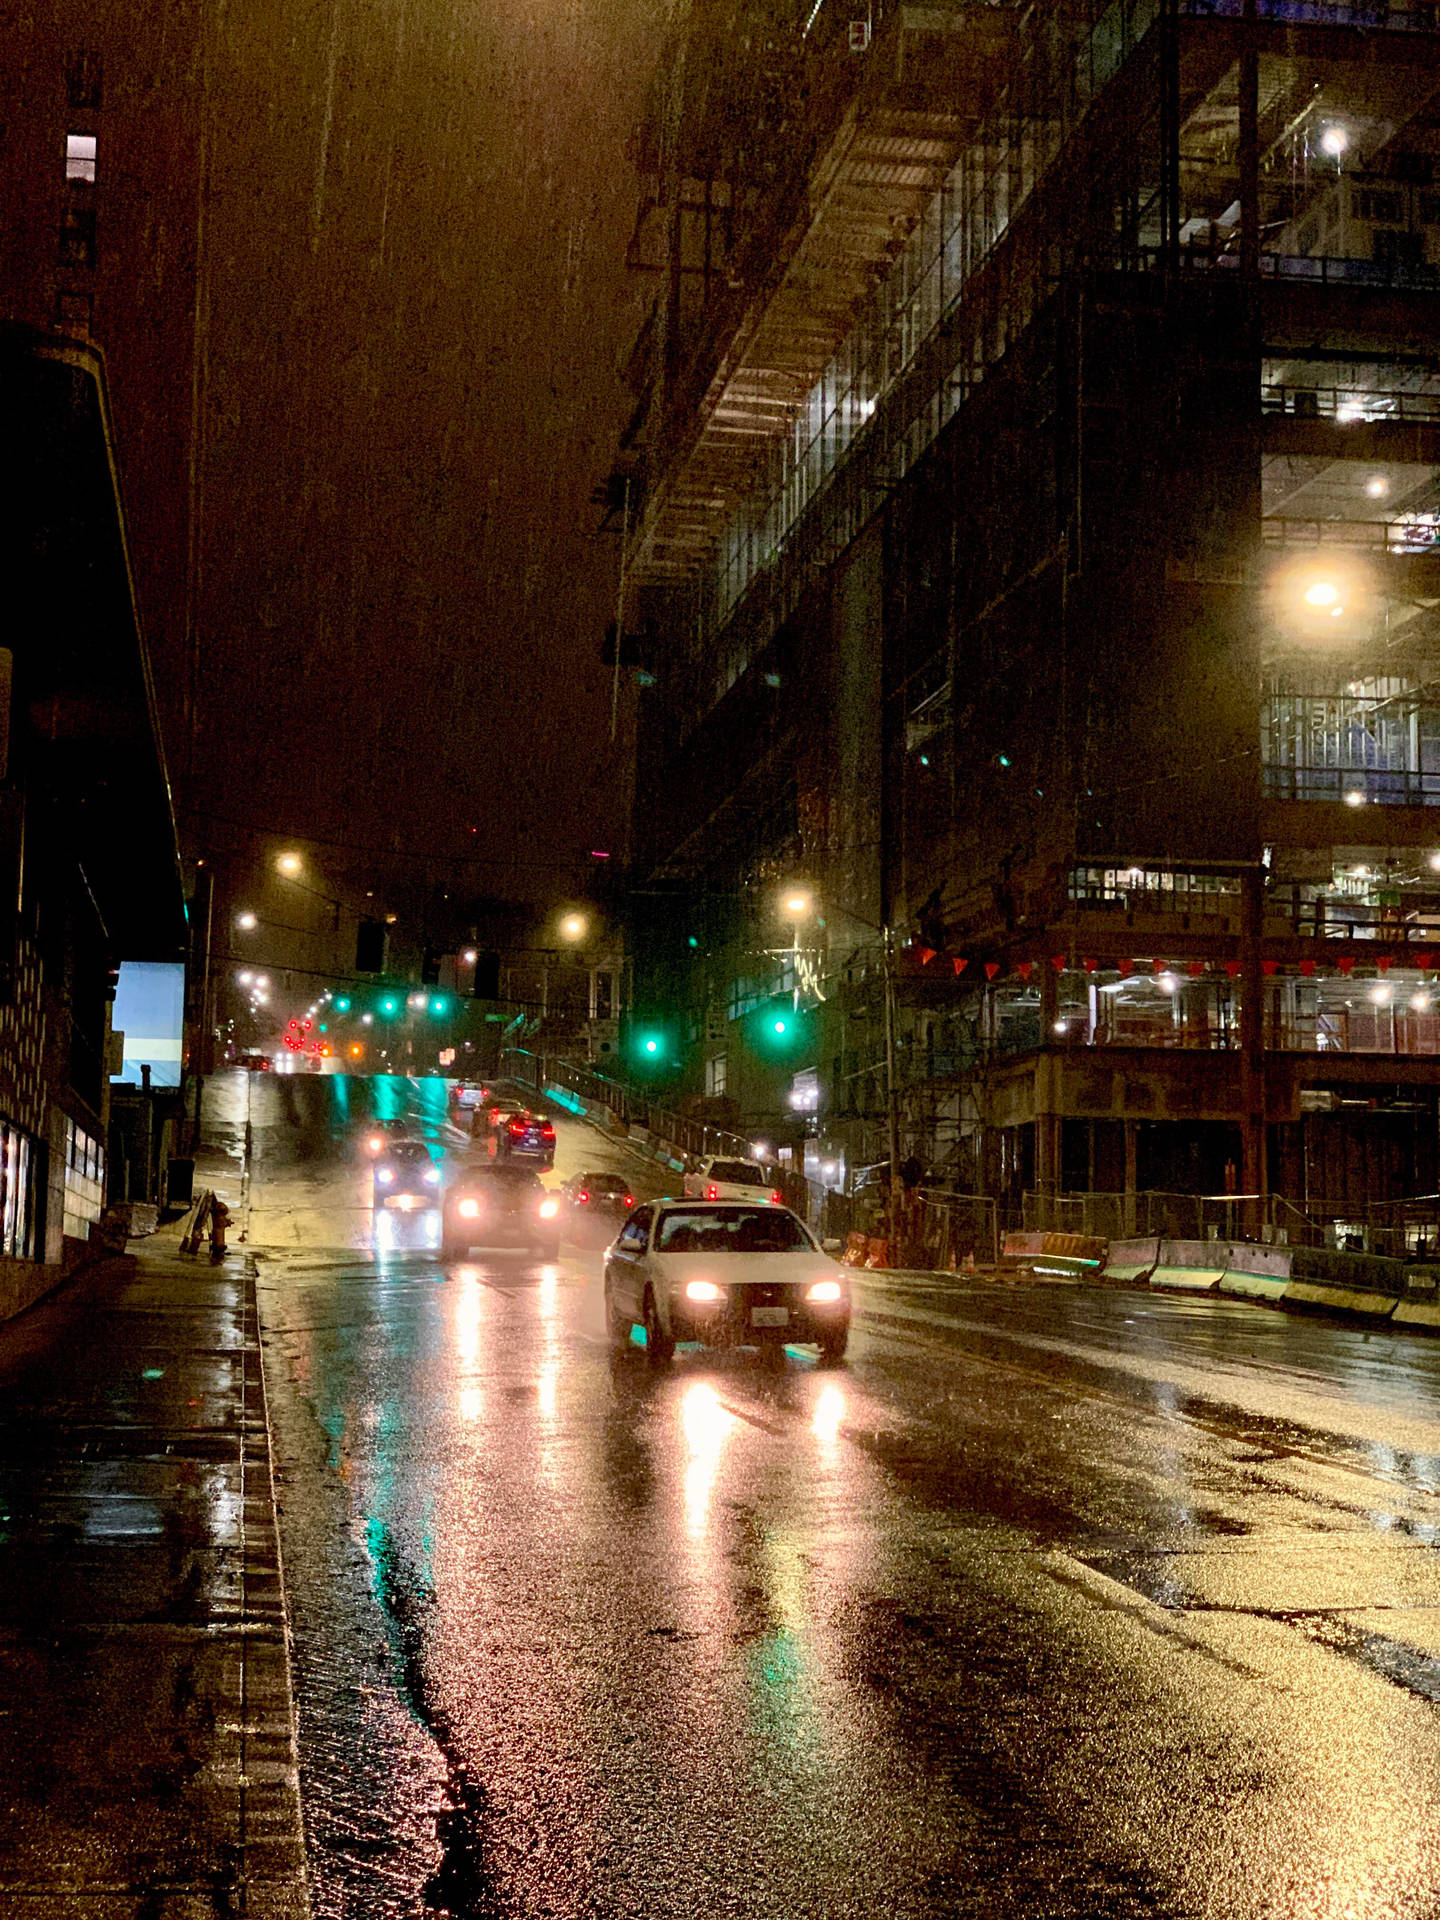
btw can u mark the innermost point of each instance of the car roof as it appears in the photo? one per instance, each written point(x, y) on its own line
point(410, 1148)
point(703, 1206)
point(487, 1170)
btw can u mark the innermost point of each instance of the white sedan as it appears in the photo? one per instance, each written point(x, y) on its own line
point(725, 1273)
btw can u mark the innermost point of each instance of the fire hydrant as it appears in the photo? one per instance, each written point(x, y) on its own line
point(219, 1220)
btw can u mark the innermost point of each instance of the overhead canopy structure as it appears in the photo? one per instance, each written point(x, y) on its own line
point(84, 741)
point(921, 90)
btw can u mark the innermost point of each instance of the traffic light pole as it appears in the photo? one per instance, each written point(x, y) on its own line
point(892, 1090)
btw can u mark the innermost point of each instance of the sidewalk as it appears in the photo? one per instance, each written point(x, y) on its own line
point(147, 1762)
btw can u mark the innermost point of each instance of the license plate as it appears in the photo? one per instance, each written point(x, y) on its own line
point(769, 1316)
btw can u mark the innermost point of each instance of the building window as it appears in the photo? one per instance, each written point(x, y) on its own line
point(17, 1192)
point(603, 997)
point(80, 157)
point(74, 311)
point(715, 1074)
point(77, 237)
point(83, 81)
point(84, 1180)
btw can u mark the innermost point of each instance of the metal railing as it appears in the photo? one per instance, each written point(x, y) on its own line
point(1350, 406)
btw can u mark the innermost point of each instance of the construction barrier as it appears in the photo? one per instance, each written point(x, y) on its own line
point(1190, 1266)
point(857, 1246)
point(1022, 1248)
point(1420, 1305)
point(1129, 1262)
point(1363, 1283)
point(877, 1255)
point(1257, 1273)
point(1070, 1256)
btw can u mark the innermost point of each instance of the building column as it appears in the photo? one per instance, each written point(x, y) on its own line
point(1047, 1120)
point(1252, 1038)
point(1132, 1167)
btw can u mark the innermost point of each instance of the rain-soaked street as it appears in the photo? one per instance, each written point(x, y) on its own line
point(1049, 1601)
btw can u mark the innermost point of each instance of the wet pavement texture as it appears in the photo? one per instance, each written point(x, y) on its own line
point(147, 1759)
point(1051, 1601)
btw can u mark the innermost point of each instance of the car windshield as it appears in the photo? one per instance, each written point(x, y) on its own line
point(410, 1150)
point(738, 1173)
point(603, 1183)
point(732, 1230)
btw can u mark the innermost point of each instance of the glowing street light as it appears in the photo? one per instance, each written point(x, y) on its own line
point(469, 956)
point(290, 863)
point(247, 921)
point(1335, 141)
point(574, 926)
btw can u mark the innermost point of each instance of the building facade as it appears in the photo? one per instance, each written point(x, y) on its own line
point(1035, 558)
point(90, 871)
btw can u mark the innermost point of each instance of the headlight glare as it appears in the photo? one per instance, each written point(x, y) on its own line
point(824, 1292)
point(469, 1209)
point(549, 1209)
point(432, 1176)
point(384, 1176)
point(705, 1292)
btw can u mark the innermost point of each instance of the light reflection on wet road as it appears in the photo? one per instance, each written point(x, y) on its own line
point(1049, 1603)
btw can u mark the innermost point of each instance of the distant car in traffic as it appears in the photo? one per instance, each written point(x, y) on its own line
point(466, 1095)
point(725, 1274)
point(256, 1063)
point(598, 1195)
point(719, 1177)
point(405, 1176)
point(520, 1135)
point(380, 1135)
point(500, 1206)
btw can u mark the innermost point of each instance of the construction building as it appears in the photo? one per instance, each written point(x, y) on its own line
point(1032, 564)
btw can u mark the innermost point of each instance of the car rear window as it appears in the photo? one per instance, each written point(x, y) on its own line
point(604, 1182)
point(409, 1150)
point(504, 1176)
point(732, 1230)
point(739, 1173)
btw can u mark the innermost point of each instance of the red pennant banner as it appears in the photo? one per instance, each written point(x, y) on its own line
point(927, 954)
point(1307, 967)
point(1158, 966)
point(1346, 963)
point(1057, 960)
point(1385, 962)
point(1232, 967)
point(1424, 961)
point(1127, 967)
point(1024, 968)
point(1269, 968)
point(992, 967)
point(1195, 969)
point(959, 965)
point(1090, 965)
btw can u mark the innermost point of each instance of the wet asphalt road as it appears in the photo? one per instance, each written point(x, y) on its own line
point(1051, 1602)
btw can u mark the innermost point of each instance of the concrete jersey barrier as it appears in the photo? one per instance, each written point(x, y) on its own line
point(1362, 1283)
point(1257, 1273)
point(1190, 1266)
point(1130, 1261)
point(1420, 1304)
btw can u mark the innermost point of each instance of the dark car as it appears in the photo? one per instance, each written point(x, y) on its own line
point(598, 1195)
point(521, 1135)
point(500, 1206)
point(381, 1135)
point(406, 1176)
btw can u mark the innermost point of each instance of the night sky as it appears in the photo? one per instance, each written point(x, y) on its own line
point(416, 309)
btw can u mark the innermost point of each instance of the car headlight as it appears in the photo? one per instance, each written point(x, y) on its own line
point(375, 1143)
point(469, 1209)
point(549, 1209)
point(824, 1292)
point(704, 1292)
point(432, 1176)
point(384, 1176)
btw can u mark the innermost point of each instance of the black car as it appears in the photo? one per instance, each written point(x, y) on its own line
point(381, 1136)
point(406, 1176)
point(598, 1195)
point(500, 1207)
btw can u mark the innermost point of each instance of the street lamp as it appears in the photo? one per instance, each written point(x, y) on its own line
point(290, 864)
point(574, 926)
point(247, 921)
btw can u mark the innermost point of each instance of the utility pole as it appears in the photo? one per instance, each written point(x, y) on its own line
point(892, 1090)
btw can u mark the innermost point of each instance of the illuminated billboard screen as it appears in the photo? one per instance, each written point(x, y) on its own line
point(150, 1012)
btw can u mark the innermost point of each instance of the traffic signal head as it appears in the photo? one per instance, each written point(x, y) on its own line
point(439, 1004)
point(342, 1003)
point(390, 1003)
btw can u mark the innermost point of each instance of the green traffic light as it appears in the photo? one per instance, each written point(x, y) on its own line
point(782, 1026)
point(389, 1003)
point(439, 1005)
point(342, 1005)
point(652, 1046)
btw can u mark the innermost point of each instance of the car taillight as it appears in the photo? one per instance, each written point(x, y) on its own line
point(582, 1196)
point(547, 1132)
point(517, 1126)
point(629, 1199)
point(777, 1199)
point(712, 1192)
